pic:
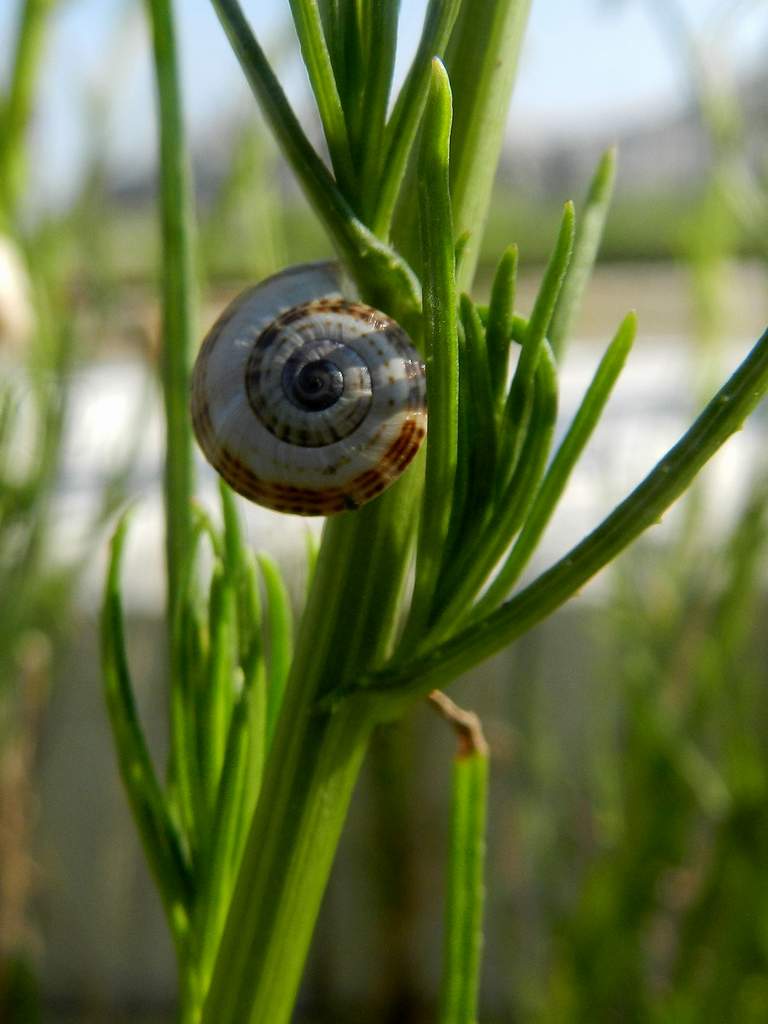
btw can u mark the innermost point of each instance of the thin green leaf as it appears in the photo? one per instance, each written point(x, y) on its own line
point(498, 330)
point(468, 571)
point(16, 104)
point(644, 507)
point(258, 698)
point(352, 55)
point(381, 35)
point(482, 63)
point(330, 15)
point(480, 425)
point(462, 480)
point(309, 28)
point(558, 474)
point(240, 569)
point(178, 297)
point(203, 523)
point(233, 536)
point(588, 235)
point(190, 662)
point(384, 278)
point(441, 341)
point(249, 615)
point(520, 393)
point(460, 248)
point(406, 116)
point(279, 629)
point(226, 836)
point(161, 841)
point(463, 941)
point(220, 684)
point(250, 627)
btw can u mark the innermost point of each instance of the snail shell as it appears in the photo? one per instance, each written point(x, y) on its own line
point(305, 402)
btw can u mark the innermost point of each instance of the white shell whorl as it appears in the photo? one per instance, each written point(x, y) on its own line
point(305, 402)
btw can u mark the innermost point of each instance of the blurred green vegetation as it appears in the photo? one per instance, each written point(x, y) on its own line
point(643, 227)
point(646, 837)
point(643, 820)
point(643, 848)
point(651, 225)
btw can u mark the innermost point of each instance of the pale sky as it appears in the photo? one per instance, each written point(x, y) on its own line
point(587, 64)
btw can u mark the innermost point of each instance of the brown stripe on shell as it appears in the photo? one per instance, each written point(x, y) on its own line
point(391, 464)
point(378, 321)
point(308, 501)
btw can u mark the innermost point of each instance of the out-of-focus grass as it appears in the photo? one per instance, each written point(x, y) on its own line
point(236, 240)
point(33, 597)
point(652, 225)
point(660, 830)
point(60, 257)
point(644, 841)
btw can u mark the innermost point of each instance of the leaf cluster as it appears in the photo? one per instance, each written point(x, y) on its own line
point(231, 649)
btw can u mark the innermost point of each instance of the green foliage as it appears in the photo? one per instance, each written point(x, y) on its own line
point(16, 104)
point(30, 447)
point(441, 351)
point(178, 295)
point(662, 828)
point(268, 733)
point(229, 673)
point(646, 878)
point(37, 580)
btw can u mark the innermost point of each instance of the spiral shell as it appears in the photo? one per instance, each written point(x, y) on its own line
point(305, 402)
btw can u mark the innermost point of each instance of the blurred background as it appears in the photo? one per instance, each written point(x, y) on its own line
point(628, 846)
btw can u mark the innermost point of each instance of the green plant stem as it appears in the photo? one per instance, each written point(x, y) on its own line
point(313, 761)
point(463, 939)
point(16, 104)
point(178, 304)
point(644, 507)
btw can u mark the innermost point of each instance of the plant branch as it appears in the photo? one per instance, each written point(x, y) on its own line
point(178, 305)
point(644, 507)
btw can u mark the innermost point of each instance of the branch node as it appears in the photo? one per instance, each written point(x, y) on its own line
point(466, 725)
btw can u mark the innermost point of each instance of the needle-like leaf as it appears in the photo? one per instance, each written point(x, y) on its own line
point(309, 28)
point(592, 219)
point(557, 475)
point(406, 116)
point(441, 341)
point(162, 842)
point(498, 330)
